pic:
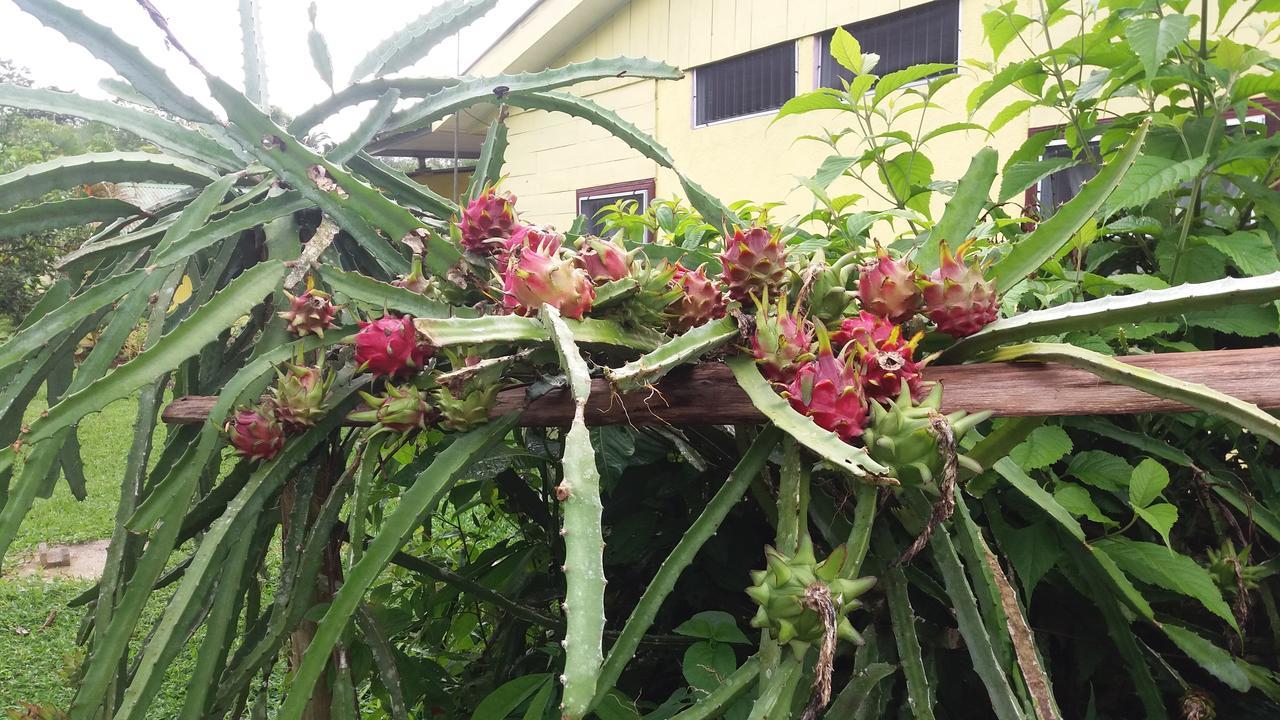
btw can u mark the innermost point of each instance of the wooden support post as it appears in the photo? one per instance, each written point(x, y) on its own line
point(707, 393)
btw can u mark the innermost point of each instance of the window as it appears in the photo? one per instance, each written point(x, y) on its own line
point(1059, 187)
point(928, 33)
point(757, 82)
point(592, 200)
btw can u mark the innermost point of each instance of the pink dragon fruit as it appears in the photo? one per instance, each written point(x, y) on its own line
point(755, 262)
point(489, 218)
point(782, 341)
point(700, 300)
point(829, 390)
point(889, 287)
point(389, 346)
point(525, 237)
point(401, 409)
point(864, 328)
point(310, 313)
point(958, 298)
point(256, 434)
point(537, 275)
point(299, 396)
point(887, 364)
point(604, 260)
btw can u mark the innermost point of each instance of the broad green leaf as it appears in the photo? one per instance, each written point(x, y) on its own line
point(1043, 243)
point(1152, 39)
point(63, 213)
point(706, 663)
point(894, 80)
point(431, 485)
point(713, 625)
point(846, 51)
point(1077, 501)
point(962, 210)
point(1001, 25)
point(148, 126)
point(1247, 415)
point(1018, 176)
point(1251, 251)
point(124, 58)
point(1009, 112)
point(1158, 565)
point(1034, 550)
point(504, 699)
point(832, 168)
point(823, 99)
point(1160, 517)
point(1100, 469)
point(1228, 298)
point(1249, 321)
point(1030, 489)
point(412, 42)
point(1247, 87)
point(1007, 76)
point(1149, 479)
point(1152, 177)
point(1215, 660)
point(1045, 446)
point(66, 173)
point(906, 175)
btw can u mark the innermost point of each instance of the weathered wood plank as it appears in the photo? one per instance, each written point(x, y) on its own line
point(707, 393)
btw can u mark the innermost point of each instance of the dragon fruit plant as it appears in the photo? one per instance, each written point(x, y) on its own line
point(755, 263)
point(390, 347)
point(299, 395)
point(958, 298)
point(697, 302)
point(310, 313)
point(256, 433)
point(400, 409)
point(487, 222)
point(889, 287)
point(829, 389)
point(782, 341)
point(603, 260)
point(539, 273)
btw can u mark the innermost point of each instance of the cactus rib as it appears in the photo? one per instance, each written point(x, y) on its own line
point(443, 332)
point(685, 348)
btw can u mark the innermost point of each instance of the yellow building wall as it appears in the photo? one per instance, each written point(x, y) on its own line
point(442, 182)
point(551, 156)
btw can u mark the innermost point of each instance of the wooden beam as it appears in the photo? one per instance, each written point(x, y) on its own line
point(707, 393)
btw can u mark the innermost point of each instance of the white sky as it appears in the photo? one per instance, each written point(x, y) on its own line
point(210, 29)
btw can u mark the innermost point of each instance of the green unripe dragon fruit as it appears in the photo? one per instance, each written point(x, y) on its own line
point(829, 390)
point(699, 301)
point(755, 263)
point(889, 287)
point(830, 297)
point(957, 296)
point(255, 433)
point(901, 436)
point(780, 592)
point(782, 341)
point(467, 393)
point(401, 408)
point(487, 221)
point(310, 313)
point(299, 395)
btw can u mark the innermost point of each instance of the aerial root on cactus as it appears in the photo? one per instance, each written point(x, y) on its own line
point(817, 597)
point(940, 426)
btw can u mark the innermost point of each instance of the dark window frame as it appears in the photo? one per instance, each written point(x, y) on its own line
point(828, 72)
point(613, 192)
point(1031, 196)
point(700, 75)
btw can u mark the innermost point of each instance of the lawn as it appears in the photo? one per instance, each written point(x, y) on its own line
point(36, 662)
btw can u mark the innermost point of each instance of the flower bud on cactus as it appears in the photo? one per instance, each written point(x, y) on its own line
point(829, 390)
point(402, 409)
point(299, 396)
point(958, 299)
point(888, 365)
point(901, 436)
point(780, 591)
point(755, 262)
point(416, 280)
point(782, 341)
point(604, 260)
point(310, 313)
point(889, 288)
point(256, 434)
point(487, 221)
point(830, 296)
point(699, 302)
point(537, 275)
point(389, 347)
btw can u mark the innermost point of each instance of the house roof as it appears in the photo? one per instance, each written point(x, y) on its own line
point(547, 30)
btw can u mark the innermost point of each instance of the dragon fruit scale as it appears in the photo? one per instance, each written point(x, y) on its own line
point(700, 300)
point(256, 434)
point(829, 390)
point(389, 346)
point(901, 436)
point(538, 275)
point(888, 365)
point(865, 328)
point(889, 288)
point(755, 262)
point(958, 298)
point(489, 218)
point(299, 395)
point(782, 341)
point(310, 313)
point(603, 260)
point(401, 409)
